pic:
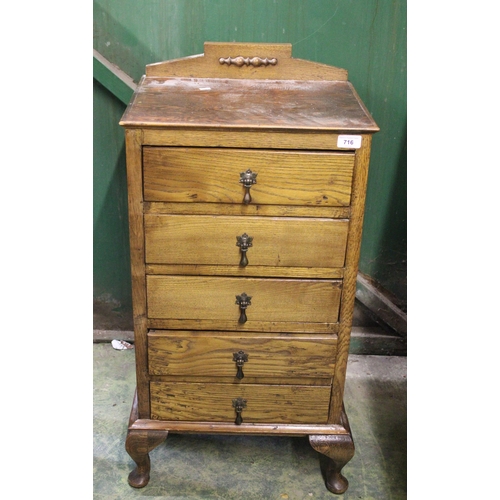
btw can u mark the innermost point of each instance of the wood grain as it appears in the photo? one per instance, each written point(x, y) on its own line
point(210, 137)
point(350, 275)
point(245, 428)
point(265, 380)
point(208, 65)
point(265, 404)
point(213, 176)
point(277, 242)
point(133, 144)
point(138, 445)
point(253, 270)
point(339, 449)
point(210, 354)
point(213, 298)
point(192, 127)
point(190, 208)
point(250, 326)
point(258, 104)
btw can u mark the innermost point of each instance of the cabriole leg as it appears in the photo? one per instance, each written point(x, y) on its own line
point(339, 449)
point(138, 445)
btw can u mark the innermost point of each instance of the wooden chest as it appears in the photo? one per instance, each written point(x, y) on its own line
point(247, 173)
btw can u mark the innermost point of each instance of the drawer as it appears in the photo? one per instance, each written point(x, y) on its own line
point(279, 302)
point(292, 404)
point(215, 354)
point(212, 175)
point(276, 241)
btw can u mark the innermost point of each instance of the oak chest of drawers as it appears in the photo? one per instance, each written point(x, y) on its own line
point(246, 174)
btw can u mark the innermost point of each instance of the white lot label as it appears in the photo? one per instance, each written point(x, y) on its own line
point(349, 141)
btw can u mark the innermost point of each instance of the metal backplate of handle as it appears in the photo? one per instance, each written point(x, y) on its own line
point(239, 404)
point(244, 242)
point(243, 301)
point(248, 179)
point(240, 358)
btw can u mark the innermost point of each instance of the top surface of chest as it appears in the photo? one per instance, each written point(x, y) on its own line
point(235, 103)
point(247, 86)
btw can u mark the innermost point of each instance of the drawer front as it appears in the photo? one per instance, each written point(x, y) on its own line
point(216, 354)
point(276, 241)
point(214, 298)
point(293, 404)
point(202, 175)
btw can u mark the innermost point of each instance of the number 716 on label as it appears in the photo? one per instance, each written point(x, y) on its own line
point(349, 141)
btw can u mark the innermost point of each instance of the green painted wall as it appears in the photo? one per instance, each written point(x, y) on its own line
point(111, 247)
point(368, 38)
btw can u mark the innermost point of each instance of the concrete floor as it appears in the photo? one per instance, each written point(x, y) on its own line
point(254, 468)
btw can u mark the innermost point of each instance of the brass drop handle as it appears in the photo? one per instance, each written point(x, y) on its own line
point(248, 179)
point(240, 358)
point(244, 242)
point(239, 404)
point(243, 301)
